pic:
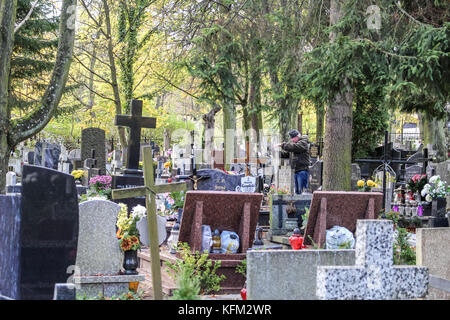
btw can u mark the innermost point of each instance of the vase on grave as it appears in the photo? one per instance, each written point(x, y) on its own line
point(176, 226)
point(130, 261)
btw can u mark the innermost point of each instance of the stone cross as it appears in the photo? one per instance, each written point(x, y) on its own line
point(373, 277)
point(136, 122)
point(149, 190)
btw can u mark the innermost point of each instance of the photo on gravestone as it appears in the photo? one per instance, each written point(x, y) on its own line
point(49, 230)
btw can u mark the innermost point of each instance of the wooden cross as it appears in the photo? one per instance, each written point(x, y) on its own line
point(136, 122)
point(247, 160)
point(149, 190)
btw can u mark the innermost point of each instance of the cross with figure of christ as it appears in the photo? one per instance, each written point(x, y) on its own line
point(135, 122)
point(150, 190)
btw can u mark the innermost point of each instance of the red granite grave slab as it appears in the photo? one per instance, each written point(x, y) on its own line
point(339, 208)
point(224, 210)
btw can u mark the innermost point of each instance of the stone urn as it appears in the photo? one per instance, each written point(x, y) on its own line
point(130, 261)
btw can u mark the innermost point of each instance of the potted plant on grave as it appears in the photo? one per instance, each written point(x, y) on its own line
point(416, 184)
point(435, 191)
point(128, 235)
point(100, 186)
point(77, 174)
point(177, 205)
point(365, 186)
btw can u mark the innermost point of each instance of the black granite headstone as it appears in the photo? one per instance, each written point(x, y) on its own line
point(315, 173)
point(9, 248)
point(218, 180)
point(47, 155)
point(128, 181)
point(64, 291)
point(49, 231)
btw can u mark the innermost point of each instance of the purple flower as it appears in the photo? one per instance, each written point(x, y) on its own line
point(101, 182)
point(395, 208)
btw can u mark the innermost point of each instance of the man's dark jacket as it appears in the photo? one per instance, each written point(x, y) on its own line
point(300, 150)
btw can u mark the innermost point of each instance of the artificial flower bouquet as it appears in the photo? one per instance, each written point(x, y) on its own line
point(127, 232)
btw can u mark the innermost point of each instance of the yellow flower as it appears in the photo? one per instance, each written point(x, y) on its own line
point(77, 174)
point(370, 183)
point(167, 164)
point(360, 183)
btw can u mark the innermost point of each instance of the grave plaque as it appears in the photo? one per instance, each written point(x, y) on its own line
point(314, 151)
point(411, 171)
point(248, 184)
point(49, 230)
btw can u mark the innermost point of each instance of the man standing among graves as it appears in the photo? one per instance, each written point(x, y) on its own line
point(299, 147)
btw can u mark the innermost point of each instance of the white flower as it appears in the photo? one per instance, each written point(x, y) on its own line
point(138, 212)
point(433, 179)
point(428, 198)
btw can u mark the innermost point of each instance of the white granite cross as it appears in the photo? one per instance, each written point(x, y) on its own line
point(373, 277)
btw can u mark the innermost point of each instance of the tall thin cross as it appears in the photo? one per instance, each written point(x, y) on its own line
point(248, 160)
point(150, 190)
point(136, 122)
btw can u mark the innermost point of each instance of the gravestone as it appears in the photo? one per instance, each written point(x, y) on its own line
point(373, 277)
point(231, 211)
point(411, 171)
point(47, 155)
point(218, 180)
point(64, 291)
point(284, 177)
point(74, 157)
point(136, 122)
point(278, 214)
point(132, 176)
point(98, 248)
point(339, 208)
point(94, 139)
point(356, 175)
point(49, 230)
point(289, 274)
point(414, 158)
point(432, 251)
point(30, 157)
point(443, 170)
point(142, 226)
point(11, 178)
point(99, 257)
point(10, 249)
point(315, 176)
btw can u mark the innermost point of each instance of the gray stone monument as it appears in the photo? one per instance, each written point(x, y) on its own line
point(373, 277)
point(94, 139)
point(142, 226)
point(99, 257)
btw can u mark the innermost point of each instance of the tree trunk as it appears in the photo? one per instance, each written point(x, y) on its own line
point(338, 130)
point(13, 132)
point(433, 134)
point(7, 21)
point(113, 69)
point(320, 113)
